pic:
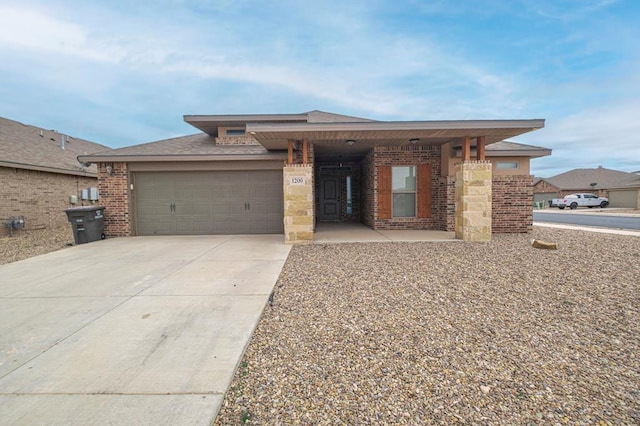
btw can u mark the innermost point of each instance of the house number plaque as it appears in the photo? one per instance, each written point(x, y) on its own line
point(296, 180)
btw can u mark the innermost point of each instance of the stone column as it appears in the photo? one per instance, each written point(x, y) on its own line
point(473, 201)
point(298, 204)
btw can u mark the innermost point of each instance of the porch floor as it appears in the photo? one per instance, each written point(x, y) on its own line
point(357, 232)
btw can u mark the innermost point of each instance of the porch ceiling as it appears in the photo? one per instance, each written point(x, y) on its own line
point(332, 137)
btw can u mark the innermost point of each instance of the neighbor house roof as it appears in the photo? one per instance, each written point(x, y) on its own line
point(198, 147)
point(584, 178)
point(29, 147)
point(632, 181)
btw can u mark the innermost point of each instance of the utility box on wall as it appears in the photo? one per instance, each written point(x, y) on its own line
point(93, 194)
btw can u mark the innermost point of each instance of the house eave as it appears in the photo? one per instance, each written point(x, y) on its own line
point(187, 158)
point(47, 169)
point(276, 135)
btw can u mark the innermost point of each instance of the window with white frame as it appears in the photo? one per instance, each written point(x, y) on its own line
point(403, 187)
point(506, 165)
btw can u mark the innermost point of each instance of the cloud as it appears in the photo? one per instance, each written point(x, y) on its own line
point(604, 135)
point(369, 81)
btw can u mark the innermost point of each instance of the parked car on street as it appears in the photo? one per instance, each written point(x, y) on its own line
point(573, 201)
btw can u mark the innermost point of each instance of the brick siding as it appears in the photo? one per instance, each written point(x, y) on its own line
point(41, 197)
point(114, 195)
point(512, 207)
point(408, 155)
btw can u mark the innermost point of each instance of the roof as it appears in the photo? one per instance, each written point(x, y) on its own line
point(198, 147)
point(632, 181)
point(584, 178)
point(329, 136)
point(327, 131)
point(211, 123)
point(29, 147)
point(510, 148)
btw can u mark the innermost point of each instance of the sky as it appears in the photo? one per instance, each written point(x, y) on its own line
point(122, 72)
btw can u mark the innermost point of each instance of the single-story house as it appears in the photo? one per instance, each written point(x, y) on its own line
point(40, 173)
point(285, 173)
point(620, 187)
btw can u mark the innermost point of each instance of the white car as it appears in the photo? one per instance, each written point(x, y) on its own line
point(573, 201)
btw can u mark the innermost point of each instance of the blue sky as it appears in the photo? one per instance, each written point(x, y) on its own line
point(123, 72)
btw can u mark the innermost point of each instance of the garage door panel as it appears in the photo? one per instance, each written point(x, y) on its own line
point(623, 198)
point(216, 202)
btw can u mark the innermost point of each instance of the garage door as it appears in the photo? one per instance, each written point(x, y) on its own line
point(543, 196)
point(211, 202)
point(623, 198)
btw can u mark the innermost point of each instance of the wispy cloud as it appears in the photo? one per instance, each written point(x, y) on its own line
point(131, 69)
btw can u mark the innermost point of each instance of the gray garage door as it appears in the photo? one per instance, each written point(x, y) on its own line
point(543, 196)
point(213, 202)
point(623, 198)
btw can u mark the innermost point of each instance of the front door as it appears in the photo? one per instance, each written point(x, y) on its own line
point(329, 198)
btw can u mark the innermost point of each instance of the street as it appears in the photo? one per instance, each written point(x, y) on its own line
point(582, 219)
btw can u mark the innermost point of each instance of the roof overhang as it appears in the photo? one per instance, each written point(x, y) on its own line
point(275, 136)
point(78, 172)
point(542, 152)
point(191, 157)
point(210, 123)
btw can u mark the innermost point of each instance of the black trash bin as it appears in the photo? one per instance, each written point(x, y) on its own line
point(87, 223)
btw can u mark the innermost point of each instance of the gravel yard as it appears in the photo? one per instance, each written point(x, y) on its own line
point(419, 333)
point(29, 243)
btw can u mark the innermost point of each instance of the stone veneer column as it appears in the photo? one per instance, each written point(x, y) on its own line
point(473, 201)
point(298, 203)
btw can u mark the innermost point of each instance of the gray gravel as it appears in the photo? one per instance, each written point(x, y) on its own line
point(29, 243)
point(420, 333)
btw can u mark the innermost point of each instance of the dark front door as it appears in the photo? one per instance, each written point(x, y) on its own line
point(329, 198)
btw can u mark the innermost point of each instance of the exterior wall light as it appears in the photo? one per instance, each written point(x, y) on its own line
point(350, 142)
point(414, 141)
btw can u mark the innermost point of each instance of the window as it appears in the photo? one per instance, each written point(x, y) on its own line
point(235, 132)
point(504, 165)
point(403, 187)
point(349, 201)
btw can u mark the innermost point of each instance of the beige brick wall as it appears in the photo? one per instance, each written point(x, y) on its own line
point(236, 140)
point(473, 201)
point(298, 204)
point(41, 197)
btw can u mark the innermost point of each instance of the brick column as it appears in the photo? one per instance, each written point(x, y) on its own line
point(473, 201)
point(114, 196)
point(298, 204)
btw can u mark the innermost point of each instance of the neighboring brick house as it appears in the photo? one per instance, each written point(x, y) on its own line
point(600, 181)
point(39, 171)
point(286, 173)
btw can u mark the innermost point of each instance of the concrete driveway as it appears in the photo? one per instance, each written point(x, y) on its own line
point(144, 330)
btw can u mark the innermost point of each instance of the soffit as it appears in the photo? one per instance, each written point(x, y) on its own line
point(332, 137)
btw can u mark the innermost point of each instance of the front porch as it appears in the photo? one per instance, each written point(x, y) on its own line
point(350, 232)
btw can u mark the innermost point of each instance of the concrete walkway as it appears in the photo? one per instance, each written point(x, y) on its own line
point(357, 232)
point(145, 330)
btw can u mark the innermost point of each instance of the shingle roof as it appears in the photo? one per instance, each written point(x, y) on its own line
point(317, 116)
point(29, 147)
point(583, 178)
point(199, 146)
point(507, 148)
